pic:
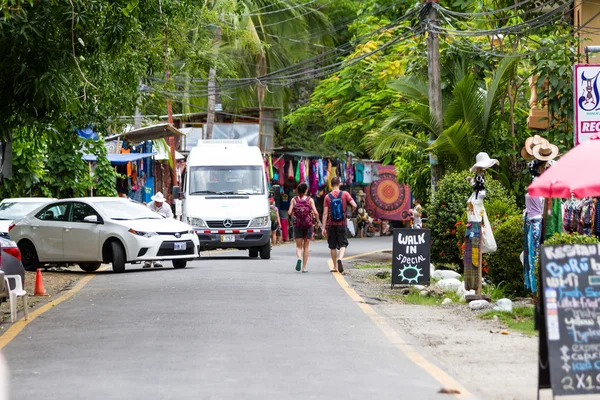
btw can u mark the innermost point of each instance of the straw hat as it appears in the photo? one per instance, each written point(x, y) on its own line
point(483, 161)
point(530, 142)
point(545, 151)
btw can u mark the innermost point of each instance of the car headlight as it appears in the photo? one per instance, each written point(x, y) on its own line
point(259, 222)
point(144, 234)
point(197, 223)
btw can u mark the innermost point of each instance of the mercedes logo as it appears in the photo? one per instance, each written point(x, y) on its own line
point(227, 223)
point(178, 235)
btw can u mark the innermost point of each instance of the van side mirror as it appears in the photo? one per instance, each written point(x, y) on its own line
point(176, 192)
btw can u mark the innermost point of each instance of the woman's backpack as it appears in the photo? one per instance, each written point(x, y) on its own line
point(303, 214)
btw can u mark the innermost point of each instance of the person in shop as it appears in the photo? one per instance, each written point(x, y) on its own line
point(362, 220)
point(159, 206)
point(305, 217)
point(416, 213)
point(335, 223)
point(275, 221)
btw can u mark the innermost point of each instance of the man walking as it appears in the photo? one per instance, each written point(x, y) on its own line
point(159, 206)
point(334, 222)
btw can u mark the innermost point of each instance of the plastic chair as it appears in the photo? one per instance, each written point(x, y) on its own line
point(13, 294)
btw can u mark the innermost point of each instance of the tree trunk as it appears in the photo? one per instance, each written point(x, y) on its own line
point(212, 86)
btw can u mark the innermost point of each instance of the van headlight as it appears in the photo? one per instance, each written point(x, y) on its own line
point(259, 222)
point(197, 223)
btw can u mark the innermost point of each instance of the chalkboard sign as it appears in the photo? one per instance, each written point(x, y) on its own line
point(411, 254)
point(571, 298)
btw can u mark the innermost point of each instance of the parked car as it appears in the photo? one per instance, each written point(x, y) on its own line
point(15, 209)
point(10, 260)
point(95, 230)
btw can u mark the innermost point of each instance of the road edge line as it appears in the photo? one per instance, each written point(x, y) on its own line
point(18, 326)
point(409, 351)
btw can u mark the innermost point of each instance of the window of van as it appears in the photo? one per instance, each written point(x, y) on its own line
point(218, 180)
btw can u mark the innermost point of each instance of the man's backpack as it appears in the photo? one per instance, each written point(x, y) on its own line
point(303, 214)
point(337, 207)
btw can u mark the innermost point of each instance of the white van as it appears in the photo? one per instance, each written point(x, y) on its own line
point(226, 197)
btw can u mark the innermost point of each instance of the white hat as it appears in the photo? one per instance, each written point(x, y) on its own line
point(158, 197)
point(484, 161)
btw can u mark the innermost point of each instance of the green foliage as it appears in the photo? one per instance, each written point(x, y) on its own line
point(447, 208)
point(570, 238)
point(68, 174)
point(556, 63)
point(504, 265)
point(105, 176)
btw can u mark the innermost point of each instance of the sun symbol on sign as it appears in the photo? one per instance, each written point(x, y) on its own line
point(411, 277)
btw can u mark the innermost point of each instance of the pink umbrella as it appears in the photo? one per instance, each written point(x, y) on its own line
point(577, 173)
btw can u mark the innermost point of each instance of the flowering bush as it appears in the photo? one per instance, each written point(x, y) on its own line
point(446, 210)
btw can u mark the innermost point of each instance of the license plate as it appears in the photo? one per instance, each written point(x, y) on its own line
point(227, 238)
point(179, 246)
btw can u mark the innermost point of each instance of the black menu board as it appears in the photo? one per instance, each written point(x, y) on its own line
point(571, 297)
point(411, 255)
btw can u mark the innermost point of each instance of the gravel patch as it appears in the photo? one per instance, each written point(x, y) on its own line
point(483, 355)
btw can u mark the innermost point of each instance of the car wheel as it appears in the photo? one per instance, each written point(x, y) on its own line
point(177, 264)
point(117, 257)
point(90, 267)
point(265, 251)
point(29, 256)
point(253, 253)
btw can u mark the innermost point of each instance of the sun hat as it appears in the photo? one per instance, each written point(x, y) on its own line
point(545, 151)
point(530, 143)
point(483, 161)
point(158, 197)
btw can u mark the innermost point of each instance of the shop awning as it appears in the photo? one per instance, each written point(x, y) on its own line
point(153, 132)
point(119, 159)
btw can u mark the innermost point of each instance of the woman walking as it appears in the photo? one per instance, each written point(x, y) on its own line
point(304, 213)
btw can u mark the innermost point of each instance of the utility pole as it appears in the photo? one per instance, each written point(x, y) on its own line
point(435, 88)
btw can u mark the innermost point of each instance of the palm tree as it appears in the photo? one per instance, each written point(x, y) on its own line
point(470, 110)
point(273, 29)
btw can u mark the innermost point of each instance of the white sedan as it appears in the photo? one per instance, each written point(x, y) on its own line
point(94, 230)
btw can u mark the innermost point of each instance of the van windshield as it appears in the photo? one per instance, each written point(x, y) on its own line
point(227, 180)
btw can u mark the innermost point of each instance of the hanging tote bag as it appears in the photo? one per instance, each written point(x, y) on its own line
point(488, 244)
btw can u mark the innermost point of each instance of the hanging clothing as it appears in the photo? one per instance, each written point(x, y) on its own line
point(533, 232)
point(471, 255)
point(596, 228)
point(320, 167)
point(349, 172)
point(314, 178)
point(280, 166)
point(534, 206)
point(302, 171)
point(587, 217)
point(297, 176)
point(290, 173)
point(367, 177)
point(360, 169)
point(554, 221)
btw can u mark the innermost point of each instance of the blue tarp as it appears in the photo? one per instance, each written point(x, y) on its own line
point(119, 159)
point(87, 133)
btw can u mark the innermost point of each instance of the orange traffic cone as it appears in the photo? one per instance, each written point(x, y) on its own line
point(39, 284)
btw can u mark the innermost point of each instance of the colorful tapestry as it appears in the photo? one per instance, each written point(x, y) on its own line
point(387, 198)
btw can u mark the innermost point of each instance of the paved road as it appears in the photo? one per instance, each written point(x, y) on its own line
point(224, 328)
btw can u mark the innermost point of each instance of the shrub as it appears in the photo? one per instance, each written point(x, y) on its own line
point(448, 206)
point(504, 265)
